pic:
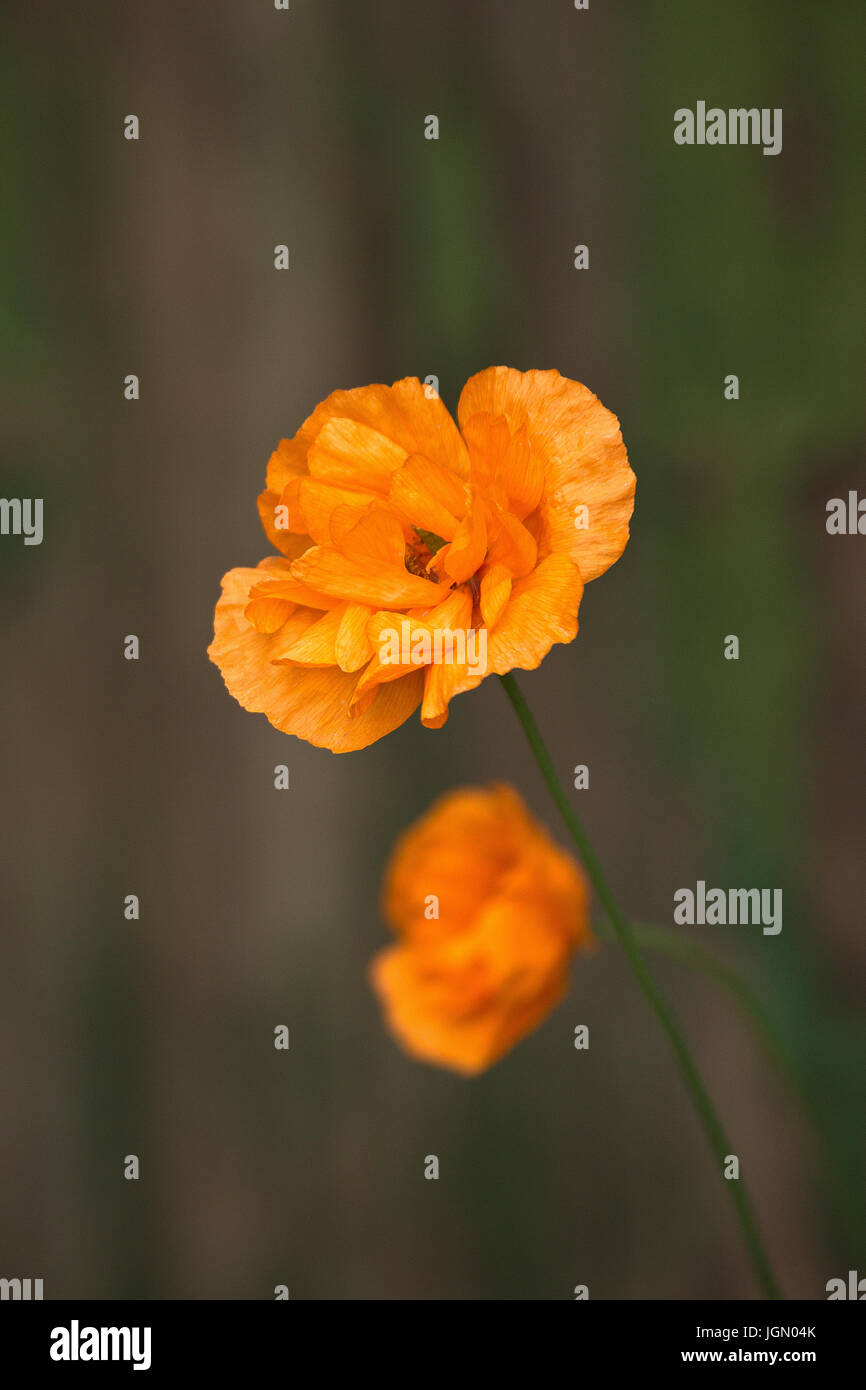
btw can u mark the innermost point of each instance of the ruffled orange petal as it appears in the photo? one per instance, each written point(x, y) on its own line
point(313, 504)
point(580, 448)
point(429, 496)
point(522, 474)
point(364, 581)
point(495, 592)
point(542, 610)
point(377, 535)
point(387, 631)
point(463, 1003)
point(268, 614)
point(465, 554)
point(285, 463)
point(454, 611)
point(352, 648)
point(272, 516)
point(278, 583)
point(460, 850)
point(404, 414)
point(442, 683)
point(316, 646)
point(511, 544)
point(446, 679)
point(349, 453)
point(312, 703)
point(505, 461)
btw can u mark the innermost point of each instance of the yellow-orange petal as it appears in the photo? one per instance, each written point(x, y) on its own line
point(352, 647)
point(267, 614)
point(463, 1004)
point(391, 637)
point(454, 610)
point(410, 419)
point(310, 702)
point(505, 461)
point(277, 522)
point(413, 417)
point(429, 496)
point(405, 414)
point(522, 474)
point(348, 453)
point(277, 582)
point(443, 682)
point(377, 535)
point(461, 849)
point(465, 554)
point(314, 503)
point(464, 663)
point(541, 610)
point(316, 646)
point(580, 447)
point(511, 544)
point(370, 582)
point(284, 464)
point(495, 592)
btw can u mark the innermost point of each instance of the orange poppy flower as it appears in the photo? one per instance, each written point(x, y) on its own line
point(417, 557)
point(489, 911)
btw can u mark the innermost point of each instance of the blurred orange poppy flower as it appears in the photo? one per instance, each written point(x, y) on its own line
point(417, 557)
point(489, 912)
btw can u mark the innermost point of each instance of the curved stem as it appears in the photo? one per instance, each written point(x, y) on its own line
point(667, 942)
point(713, 1127)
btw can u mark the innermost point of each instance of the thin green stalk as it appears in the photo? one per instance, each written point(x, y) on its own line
point(713, 1127)
point(666, 942)
point(670, 943)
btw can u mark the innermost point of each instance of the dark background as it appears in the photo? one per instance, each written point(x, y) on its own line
point(260, 907)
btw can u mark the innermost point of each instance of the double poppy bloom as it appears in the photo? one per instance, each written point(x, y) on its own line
point(489, 912)
point(389, 518)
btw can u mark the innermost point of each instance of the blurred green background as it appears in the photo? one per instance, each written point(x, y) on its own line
point(414, 257)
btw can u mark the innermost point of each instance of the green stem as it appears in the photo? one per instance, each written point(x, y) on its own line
point(666, 942)
point(713, 1127)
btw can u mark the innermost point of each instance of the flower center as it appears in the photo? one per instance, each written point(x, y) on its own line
point(420, 551)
